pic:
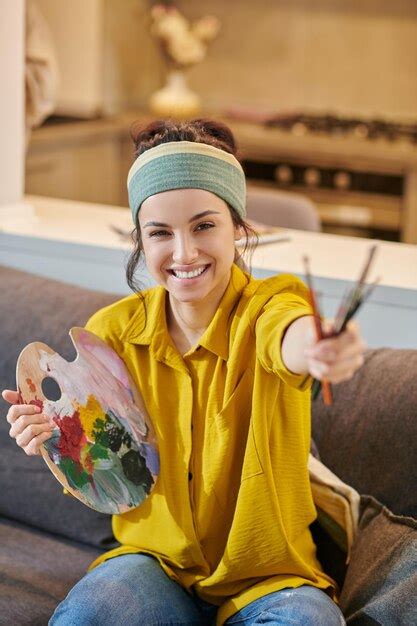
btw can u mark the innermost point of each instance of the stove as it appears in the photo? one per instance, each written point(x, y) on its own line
point(301, 123)
point(361, 173)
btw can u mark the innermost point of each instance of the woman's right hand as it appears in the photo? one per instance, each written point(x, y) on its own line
point(29, 426)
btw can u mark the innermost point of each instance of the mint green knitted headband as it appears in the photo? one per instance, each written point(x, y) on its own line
point(186, 165)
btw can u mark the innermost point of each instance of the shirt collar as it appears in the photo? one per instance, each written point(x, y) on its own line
point(150, 328)
point(216, 336)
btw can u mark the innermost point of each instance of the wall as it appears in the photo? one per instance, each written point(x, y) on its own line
point(107, 58)
point(12, 100)
point(352, 56)
point(133, 67)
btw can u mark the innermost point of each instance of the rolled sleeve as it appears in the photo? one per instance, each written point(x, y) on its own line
point(277, 315)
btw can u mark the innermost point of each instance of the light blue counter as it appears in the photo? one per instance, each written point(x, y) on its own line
point(388, 319)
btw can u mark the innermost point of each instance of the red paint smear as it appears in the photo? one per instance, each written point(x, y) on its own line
point(31, 385)
point(88, 464)
point(37, 402)
point(72, 437)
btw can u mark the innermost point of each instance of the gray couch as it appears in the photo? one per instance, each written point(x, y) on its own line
point(368, 438)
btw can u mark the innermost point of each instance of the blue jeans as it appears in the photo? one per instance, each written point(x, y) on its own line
point(133, 590)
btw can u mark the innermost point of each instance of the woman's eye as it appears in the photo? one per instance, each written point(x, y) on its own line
point(157, 233)
point(205, 224)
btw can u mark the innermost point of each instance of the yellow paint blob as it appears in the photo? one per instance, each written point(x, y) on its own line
point(89, 413)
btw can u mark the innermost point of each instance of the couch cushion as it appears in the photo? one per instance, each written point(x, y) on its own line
point(37, 571)
point(381, 580)
point(368, 437)
point(40, 309)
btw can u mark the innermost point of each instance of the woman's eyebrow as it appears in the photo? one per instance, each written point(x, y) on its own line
point(196, 217)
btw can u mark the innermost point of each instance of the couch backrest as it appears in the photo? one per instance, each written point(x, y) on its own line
point(40, 309)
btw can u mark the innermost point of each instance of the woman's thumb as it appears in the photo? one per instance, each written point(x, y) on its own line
point(10, 396)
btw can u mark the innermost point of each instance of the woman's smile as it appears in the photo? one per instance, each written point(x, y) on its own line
point(190, 277)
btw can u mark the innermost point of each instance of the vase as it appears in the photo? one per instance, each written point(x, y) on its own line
point(175, 99)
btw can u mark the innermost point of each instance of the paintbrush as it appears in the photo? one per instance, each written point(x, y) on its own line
point(353, 295)
point(350, 305)
point(327, 392)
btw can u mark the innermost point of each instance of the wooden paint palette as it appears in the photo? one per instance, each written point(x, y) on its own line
point(103, 448)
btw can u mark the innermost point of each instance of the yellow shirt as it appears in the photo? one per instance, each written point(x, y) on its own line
point(231, 509)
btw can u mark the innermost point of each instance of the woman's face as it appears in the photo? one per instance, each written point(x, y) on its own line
point(188, 230)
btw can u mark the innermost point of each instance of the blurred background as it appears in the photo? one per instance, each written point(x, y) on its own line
point(320, 94)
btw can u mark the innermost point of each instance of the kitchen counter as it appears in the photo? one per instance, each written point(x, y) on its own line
point(75, 242)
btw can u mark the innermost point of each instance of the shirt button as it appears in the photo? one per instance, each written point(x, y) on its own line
point(190, 475)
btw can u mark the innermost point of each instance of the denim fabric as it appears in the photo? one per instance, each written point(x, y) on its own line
point(133, 590)
point(301, 606)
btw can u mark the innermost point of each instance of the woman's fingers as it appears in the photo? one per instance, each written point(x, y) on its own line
point(337, 372)
point(16, 410)
point(29, 426)
point(337, 358)
point(23, 421)
point(34, 445)
point(345, 345)
point(30, 432)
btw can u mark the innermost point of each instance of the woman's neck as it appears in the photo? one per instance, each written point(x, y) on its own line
point(187, 319)
point(190, 319)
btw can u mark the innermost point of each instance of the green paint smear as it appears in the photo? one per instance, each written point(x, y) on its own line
point(98, 452)
point(109, 434)
point(75, 474)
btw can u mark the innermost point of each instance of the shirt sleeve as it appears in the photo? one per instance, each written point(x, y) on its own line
point(103, 323)
point(277, 314)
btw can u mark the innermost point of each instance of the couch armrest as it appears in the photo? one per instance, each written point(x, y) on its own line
point(368, 437)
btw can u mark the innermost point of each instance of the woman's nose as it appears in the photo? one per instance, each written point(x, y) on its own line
point(185, 250)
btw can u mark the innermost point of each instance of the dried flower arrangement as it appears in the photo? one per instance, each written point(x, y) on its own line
point(183, 44)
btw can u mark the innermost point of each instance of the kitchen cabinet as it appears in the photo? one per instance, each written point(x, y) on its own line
point(88, 171)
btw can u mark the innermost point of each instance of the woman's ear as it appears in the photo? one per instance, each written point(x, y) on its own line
point(238, 232)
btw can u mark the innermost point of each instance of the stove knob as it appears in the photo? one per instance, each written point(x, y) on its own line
point(342, 180)
point(283, 174)
point(299, 129)
point(361, 130)
point(312, 177)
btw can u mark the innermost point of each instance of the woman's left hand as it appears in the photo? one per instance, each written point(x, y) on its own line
point(336, 358)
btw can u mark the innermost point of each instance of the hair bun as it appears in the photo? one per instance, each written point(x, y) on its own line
point(217, 129)
point(144, 133)
point(201, 130)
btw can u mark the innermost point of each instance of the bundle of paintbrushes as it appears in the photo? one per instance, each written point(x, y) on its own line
point(350, 305)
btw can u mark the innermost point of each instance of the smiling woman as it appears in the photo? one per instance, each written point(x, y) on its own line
point(221, 361)
point(192, 256)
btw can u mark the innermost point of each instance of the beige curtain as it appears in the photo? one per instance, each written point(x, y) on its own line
point(41, 69)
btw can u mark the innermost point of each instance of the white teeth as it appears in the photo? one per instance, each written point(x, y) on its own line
point(189, 274)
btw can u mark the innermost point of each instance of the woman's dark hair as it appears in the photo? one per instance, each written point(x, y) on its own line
point(201, 130)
